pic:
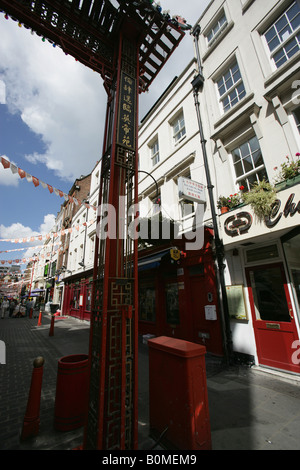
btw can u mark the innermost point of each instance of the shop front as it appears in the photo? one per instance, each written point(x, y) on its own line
point(78, 296)
point(178, 295)
point(269, 256)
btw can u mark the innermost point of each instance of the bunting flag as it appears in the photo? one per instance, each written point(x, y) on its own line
point(45, 236)
point(32, 258)
point(28, 247)
point(32, 179)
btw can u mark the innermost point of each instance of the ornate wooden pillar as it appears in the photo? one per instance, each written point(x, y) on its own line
point(112, 408)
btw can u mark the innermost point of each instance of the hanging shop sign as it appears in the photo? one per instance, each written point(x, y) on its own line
point(175, 254)
point(127, 112)
point(191, 190)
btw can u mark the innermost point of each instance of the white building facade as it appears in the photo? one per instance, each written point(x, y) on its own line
point(250, 106)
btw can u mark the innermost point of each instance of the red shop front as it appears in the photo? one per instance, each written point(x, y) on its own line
point(78, 296)
point(178, 295)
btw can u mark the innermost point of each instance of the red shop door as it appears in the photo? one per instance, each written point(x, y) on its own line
point(273, 317)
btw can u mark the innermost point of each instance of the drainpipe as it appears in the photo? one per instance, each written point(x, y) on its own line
point(197, 84)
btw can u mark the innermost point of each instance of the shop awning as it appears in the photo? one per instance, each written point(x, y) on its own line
point(151, 262)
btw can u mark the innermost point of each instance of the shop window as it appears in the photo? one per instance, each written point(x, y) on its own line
point(197, 270)
point(296, 114)
point(291, 246)
point(75, 299)
point(249, 164)
point(88, 299)
point(265, 253)
point(147, 303)
point(283, 37)
point(172, 303)
point(230, 87)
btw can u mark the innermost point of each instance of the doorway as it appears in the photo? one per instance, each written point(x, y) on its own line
point(273, 316)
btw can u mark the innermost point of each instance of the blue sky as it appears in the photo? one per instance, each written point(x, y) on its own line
point(52, 112)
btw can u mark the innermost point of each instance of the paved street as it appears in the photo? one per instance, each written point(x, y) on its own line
point(249, 409)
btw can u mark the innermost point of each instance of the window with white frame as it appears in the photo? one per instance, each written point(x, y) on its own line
point(154, 150)
point(283, 37)
point(178, 126)
point(216, 28)
point(156, 204)
point(231, 87)
point(296, 114)
point(249, 164)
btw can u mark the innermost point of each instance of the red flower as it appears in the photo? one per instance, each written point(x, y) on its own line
point(242, 188)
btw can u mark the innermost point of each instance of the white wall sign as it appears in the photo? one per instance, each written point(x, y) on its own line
point(191, 190)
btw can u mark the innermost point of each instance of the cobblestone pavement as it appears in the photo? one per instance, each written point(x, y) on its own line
point(250, 408)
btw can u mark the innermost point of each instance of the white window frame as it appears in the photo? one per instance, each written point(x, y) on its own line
point(232, 88)
point(247, 174)
point(283, 41)
point(216, 28)
point(180, 134)
point(154, 151)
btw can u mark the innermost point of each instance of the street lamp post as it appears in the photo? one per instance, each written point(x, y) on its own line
point(197, 84)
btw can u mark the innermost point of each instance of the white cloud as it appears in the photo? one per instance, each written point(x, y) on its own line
point(7, 178)
point(47, 225)
point(63, 101)
point(20, 231)
point(2, 92)
point(57, 97)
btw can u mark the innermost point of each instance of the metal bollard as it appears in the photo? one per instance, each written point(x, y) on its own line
point(32, 415)
point(51, 331)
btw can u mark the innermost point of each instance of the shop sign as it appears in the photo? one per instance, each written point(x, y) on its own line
point(290, 209)
point(240, 223)
point(191, 190)
point(175, 254)
point(127, 112)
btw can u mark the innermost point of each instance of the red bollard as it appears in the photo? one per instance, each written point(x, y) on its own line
point(30, 313)
point(32, 415)
point(51, 331)
point(40, 319)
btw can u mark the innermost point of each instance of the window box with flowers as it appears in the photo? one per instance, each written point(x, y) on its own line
point(226, 203)
point(289, 173)
point(261, 198)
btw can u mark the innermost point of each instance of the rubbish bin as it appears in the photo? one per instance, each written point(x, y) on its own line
point(178, 402)
point(53, 308)
point(71, 392)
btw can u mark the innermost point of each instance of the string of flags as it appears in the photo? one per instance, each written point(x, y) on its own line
point(36, 181)
point(46, 236)
point(27, 248)
point(32, 258)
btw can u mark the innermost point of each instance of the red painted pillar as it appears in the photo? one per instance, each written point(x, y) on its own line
point(112, 413)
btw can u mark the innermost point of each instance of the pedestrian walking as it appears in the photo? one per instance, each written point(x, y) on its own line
point(4, 307)
point(12, 305)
